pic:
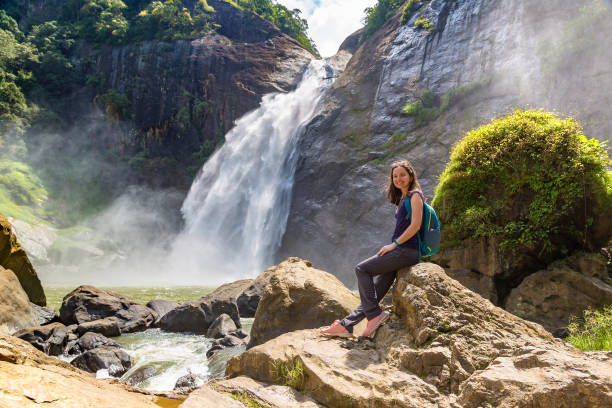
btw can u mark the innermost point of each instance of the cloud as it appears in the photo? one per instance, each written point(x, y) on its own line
point(330, 21)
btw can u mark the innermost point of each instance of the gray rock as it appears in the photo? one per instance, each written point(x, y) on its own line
point(140, 375)
point(161, 307)
point(44, 315)
point(188, 317)
point(90, 341)
point(108, 327)
point(188, 382)
point(221, 327)
point(87, 303)
point(114, 359)
point(50, 339)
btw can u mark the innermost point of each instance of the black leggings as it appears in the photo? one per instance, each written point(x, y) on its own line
point(375, 276)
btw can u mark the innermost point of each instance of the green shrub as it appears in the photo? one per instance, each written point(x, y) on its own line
point(593, 331)
point(532, 180)
point(290, 374)
point(378, 15)
point(423, 23)
point(409, 9)
point(115, 104)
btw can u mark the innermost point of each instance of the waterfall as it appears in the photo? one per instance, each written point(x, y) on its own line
point(236, 210)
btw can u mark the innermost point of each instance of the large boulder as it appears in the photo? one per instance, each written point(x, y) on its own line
point(444, 347)
point(16, 312)
point(30, 378)
point(249, 298)
point(550, 297)
point(161, 306)
point(107, 327)
point(14, 257)
point(50, 339)
point(197, 316)
point(221, 327)
point(110, 358)
point(87, 303)
point(299, 296)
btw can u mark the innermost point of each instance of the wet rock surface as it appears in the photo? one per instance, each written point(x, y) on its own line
point(221, 327)
point(91, 340)
point(299, 296)
point(161, 307)
point(108, 327)
point(87, 303)
point(50, 339)
point(113, 359)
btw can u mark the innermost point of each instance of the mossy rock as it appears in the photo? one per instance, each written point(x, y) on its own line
point(13, 257)
point(534, 182)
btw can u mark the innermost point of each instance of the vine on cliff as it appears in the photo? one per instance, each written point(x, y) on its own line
point(533, 181)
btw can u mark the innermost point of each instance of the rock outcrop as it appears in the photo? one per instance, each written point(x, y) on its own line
point(489, 52)
point(15, 310)
point(90, 341)
point(221, 327)
point(29, 378)
point(550, 297)
point(14, 257)
point(445, 346)
point(87, 303)
point(299, 296)
point(161, 307)
point(50, 339)
point(108, 326)
point(248, 391)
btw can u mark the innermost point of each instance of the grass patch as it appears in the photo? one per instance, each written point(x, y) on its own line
point(593, 331)
point(246, 400)
point(423, 23)
point(290, 374)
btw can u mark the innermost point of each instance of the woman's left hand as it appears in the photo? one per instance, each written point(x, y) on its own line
point(386, 248)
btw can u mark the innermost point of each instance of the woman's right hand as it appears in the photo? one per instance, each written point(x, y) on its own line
point(386, 248)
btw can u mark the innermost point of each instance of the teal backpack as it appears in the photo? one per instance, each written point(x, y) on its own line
point(429, 234)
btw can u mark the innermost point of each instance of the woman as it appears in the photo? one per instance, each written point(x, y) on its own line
point(375, 275)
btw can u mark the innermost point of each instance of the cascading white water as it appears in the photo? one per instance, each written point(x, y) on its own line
point(236, 210)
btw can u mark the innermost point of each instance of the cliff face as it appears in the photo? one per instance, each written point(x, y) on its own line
point(484, 58)
point(182, 96)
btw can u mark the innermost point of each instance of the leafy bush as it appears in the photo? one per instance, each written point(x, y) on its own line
point(114, 104)
point(378, 15)
point(409, 9)
point(423, 23)
point(593, 331)
point(532, 180)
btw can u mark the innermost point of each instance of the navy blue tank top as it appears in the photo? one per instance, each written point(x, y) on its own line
point(401, 224)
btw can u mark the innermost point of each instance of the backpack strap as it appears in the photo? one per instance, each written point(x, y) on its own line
point(409, 214)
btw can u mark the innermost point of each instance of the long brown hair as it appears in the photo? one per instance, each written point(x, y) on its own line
point(394, 194)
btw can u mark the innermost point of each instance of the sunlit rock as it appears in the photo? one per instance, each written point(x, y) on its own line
point(299, 296)
point(15, 310)
point(50, 339)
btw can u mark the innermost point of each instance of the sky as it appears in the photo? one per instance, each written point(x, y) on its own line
point(330, 21)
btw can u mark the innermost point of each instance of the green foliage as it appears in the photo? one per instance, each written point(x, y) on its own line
point(409, 9)
point(246, 400)
point(19, 185)
point(531, 180)
point(170, 20)
point(583, 37)
point(290, 374)
point(115, 104)
point(378, 15)
point(423, 23)
point(593, 331)
point(288, 21)
point(429, 106)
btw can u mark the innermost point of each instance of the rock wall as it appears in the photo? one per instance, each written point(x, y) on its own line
point(490, 52)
